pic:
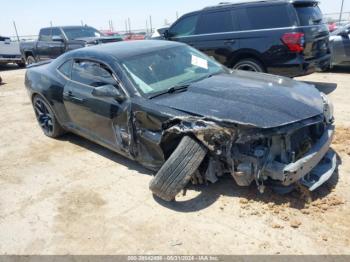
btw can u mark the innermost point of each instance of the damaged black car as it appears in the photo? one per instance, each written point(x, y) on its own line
point(188, 118)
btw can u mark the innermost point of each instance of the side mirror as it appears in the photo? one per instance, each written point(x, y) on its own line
point(57, 38)
point(108, 91)
point(166, 34)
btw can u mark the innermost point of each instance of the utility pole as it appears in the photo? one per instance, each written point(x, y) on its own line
point(14, 24)
point(129, 23)
point(341, 10)
point(126, 26)
point(110, 22)
point(150, 23)
point(147, 26)
point(82, 23)
point(50, 23)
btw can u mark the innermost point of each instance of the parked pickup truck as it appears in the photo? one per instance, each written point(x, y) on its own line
point(9, 52)
point(54, 41)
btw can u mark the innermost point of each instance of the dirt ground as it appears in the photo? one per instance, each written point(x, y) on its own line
point(70, 196)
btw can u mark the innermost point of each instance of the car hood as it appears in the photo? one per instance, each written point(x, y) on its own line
point(253, 99)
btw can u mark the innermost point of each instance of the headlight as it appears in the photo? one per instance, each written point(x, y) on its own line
point(328, 109)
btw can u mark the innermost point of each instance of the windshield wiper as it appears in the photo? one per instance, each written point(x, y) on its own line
point(172, 90)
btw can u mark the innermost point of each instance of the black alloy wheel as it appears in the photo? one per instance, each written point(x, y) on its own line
point(46, 118)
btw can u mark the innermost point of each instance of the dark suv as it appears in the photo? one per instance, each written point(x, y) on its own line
point(280, 37)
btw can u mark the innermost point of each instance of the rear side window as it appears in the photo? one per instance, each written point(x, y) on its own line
point(215, 22)
point(309, 15)
point(45, 34)
point(56, 32)
point(92, 74)
point(185, 26)
point(264, 17)
point(66, 68)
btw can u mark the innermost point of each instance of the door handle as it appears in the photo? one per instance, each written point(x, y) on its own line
point(73, 97)
point(232, 41)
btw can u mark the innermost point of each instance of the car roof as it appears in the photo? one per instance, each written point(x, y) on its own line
point(67, 27)
point(258, 2)
point(124, 49)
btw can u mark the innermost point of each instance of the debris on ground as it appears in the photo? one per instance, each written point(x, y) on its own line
point(176, 243)
point(326, 203)
point(295, 223)
point(277, 226)
point(291, 210)
point(341, 141)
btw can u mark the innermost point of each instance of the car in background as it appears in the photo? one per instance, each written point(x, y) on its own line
point(180, 113)
point(54, 41)
point(340, 46)
point(134, 36)
point(282, 37)
point(10, 53)
point(332, 27)
point(158, 34)
point(336, 25)
point(112, 34)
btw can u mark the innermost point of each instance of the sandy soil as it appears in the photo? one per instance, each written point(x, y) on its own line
point(70, 196)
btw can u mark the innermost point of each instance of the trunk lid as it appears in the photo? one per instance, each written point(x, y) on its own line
point(315, 30)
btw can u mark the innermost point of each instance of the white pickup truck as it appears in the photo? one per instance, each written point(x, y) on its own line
point(9, 52)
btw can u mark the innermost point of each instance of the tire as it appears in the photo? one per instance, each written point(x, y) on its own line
point(46, 118)
point(30, 60)
point(177, 171)
point(21, 65)
point(249, 64)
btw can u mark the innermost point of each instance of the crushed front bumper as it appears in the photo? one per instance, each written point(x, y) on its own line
point(315, 168)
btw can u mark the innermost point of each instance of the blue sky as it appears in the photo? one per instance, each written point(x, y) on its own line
point(31, 15)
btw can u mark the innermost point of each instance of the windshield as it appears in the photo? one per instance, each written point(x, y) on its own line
point(158, 71)
point(81, 32)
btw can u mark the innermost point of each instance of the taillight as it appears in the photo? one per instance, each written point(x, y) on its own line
point(294, 41)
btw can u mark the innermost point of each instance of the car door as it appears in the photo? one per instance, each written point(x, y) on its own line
point(341, 48)
point(56, 44)
point(102, 119)
point(216, 34)
point(42, 48)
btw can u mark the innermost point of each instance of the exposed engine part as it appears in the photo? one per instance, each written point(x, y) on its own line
point(261, 188)
point(281, 155)
point(244, 175)
point(213, 171)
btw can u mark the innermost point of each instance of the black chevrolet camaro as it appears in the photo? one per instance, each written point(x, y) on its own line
point(180, 113)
